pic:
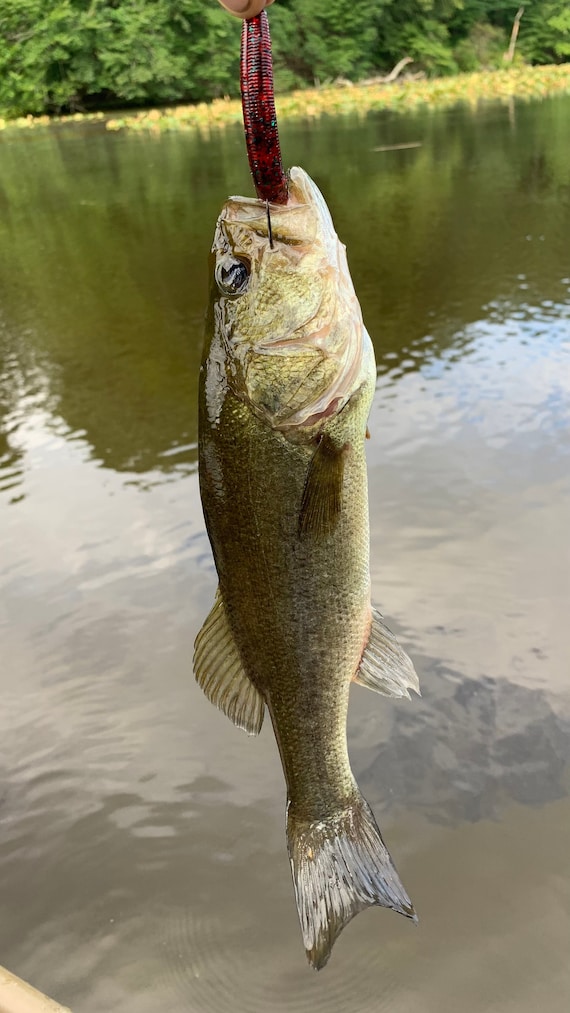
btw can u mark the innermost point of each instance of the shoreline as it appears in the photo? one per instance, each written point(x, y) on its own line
point(520, 83)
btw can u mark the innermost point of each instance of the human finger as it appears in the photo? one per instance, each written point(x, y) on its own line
point(245, 8)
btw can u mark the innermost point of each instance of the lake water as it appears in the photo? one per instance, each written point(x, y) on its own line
point(142, 852)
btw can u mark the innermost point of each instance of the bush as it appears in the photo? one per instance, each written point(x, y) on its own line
point(65, 54)
point(545, 32)
point(484, 48)
point(428, 45)
point(60, 55)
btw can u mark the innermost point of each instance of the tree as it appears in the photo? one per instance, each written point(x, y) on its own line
point(545, 32)
point(316, 40)
point(58, 54)
point(72, 54)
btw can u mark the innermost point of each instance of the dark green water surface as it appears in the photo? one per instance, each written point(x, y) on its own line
point(142, 853)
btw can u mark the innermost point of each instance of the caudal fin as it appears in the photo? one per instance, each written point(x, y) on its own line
point(340, 866)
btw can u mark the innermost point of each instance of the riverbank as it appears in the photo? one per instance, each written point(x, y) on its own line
point(525, 83)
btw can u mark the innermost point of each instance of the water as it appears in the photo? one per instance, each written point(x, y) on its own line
point(142, 854)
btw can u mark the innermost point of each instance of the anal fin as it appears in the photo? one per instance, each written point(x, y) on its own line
point(385, 667)
point(219, 671)
point(322, 496)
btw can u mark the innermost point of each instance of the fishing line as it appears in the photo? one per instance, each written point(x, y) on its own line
point(269, 229)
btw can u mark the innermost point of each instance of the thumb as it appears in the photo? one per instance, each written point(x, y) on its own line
point(245, 8)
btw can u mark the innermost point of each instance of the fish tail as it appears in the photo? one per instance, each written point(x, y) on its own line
point(340, 865)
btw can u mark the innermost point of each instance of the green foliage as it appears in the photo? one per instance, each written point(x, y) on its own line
point(471, 13)
point(428, 45)
point(320, 40)
point(36, 40)
point(484, 47)
point(560, 24)
point(73, 54)
point(57, 54)
point(546, 35)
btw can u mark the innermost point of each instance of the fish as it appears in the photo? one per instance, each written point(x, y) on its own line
point(286, 384)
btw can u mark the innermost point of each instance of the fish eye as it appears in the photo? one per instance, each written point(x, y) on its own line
point(232, 275)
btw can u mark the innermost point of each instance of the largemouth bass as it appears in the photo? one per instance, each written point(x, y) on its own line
point(286, 387)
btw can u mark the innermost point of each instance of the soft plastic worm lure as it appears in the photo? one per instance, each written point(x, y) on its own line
point(260, 122)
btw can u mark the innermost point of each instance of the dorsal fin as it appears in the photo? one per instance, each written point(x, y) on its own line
point(385, 667)
point(219, 671)
point(322, 495)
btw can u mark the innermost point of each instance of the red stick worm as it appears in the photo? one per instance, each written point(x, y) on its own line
point(260, 122)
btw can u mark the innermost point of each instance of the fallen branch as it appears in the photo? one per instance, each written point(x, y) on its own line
point(398, 69)
point(394, 73)
point(398, 147)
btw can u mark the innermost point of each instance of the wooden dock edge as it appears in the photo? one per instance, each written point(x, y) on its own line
point(16, 996)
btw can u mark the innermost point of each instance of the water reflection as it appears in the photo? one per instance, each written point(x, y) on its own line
point(104, 275)
point(469, 748)
point(142, 854)
point(104, 240)
point(182, 899)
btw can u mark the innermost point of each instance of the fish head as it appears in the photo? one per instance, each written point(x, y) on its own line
point(287, 326)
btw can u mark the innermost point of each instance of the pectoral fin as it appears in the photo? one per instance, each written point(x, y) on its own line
point(219, 671)
point(385, 667)
point(322, 495)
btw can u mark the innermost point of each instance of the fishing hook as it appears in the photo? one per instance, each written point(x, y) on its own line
point(269, 229)
point(259, 119)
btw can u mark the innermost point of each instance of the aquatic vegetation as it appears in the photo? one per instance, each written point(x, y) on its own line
point(522, 82)
point(502, 85)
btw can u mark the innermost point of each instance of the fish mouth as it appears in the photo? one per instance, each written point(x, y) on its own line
point(303, 220)
point(301, 309)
